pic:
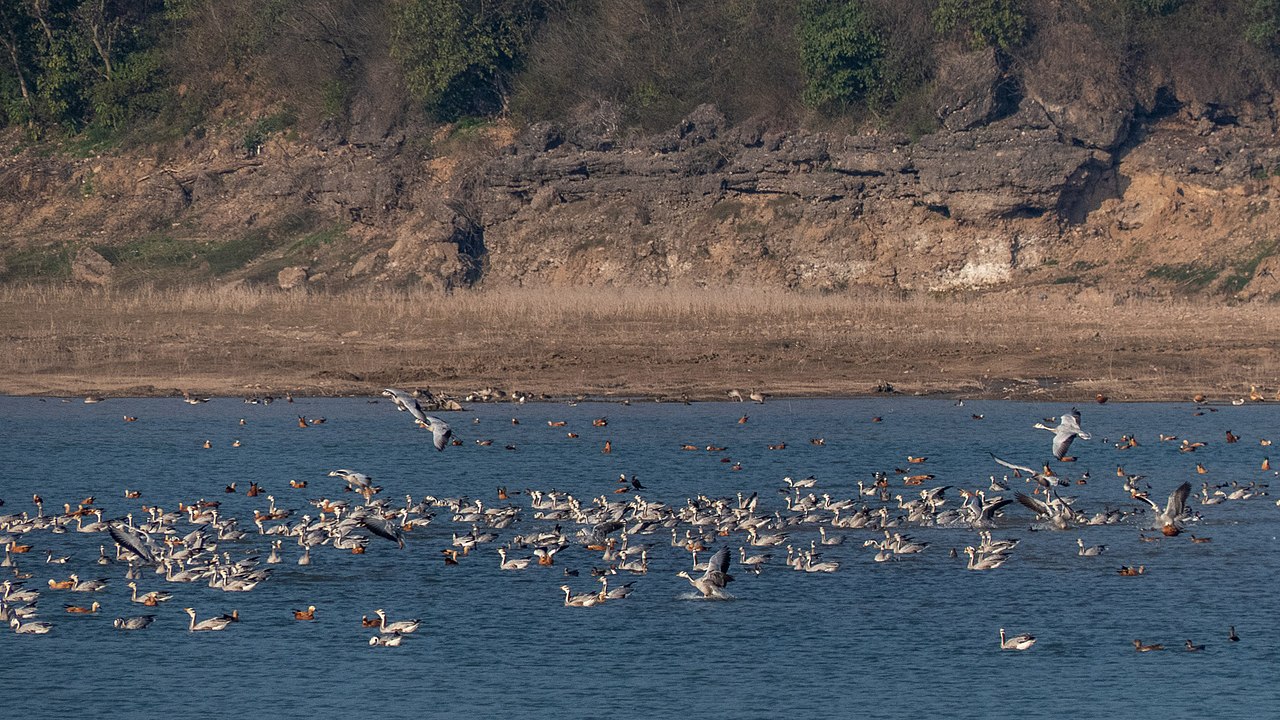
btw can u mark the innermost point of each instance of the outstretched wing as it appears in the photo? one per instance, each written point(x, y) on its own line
point(1013, 466)
point(1035, 505)
point(440, 431)
point(131, 542)
point(1177, 501)
point(1062, 441)
point(405, 401)
point(720, 561)
point(382, 528)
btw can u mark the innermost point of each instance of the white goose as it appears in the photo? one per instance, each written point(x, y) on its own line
point(1017, 642)
point(403, 627)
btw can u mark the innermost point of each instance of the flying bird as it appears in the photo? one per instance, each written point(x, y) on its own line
point(1067, 430)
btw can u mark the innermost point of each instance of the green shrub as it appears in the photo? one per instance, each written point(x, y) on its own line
point(841, 54)
point(1000, 24)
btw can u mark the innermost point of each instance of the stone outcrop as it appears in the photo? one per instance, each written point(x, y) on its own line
point(1037, 193)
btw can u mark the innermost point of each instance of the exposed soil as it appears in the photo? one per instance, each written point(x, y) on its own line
point(667, 346)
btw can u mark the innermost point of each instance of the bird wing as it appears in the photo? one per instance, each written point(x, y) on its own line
point(440, 431)
point(1062, 441)
point(1177, 501)
point(989, 509)
point(1014, 466)
point(719, 562)
point(127, 540)
point(382, 528)
point(1035, 505)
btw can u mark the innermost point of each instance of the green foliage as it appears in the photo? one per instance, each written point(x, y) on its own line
point(1263, 28)
point(459, 55)
point(1188, 275)
point(841, 54)
point(1000, 24)
point(262, 129)
point(39, 263)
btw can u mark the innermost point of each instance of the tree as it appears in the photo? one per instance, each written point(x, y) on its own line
point(459, 56)
point(841, 54)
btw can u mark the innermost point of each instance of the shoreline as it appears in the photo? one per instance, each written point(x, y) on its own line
point(644, 344)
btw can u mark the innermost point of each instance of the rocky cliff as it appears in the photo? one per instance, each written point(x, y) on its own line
point(1045, 197)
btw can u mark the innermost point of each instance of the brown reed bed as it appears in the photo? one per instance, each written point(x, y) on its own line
point(629, 342)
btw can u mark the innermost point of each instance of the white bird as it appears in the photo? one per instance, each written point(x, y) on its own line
point(1067, 430)
point(402, 627)
point(137, 622)
point(712, 582)
point(1090, 551)
point(406, 402)
point(581, 600)
point(513, 563)
point(1017, 642)
point(35, 627)
point(392, 640)
point(440, 430)
point(208, 624)
point(1173, 509)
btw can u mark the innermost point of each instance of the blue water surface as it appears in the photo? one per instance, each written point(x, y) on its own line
point(913, 638)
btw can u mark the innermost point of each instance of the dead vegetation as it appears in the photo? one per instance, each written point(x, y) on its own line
point(662, 343)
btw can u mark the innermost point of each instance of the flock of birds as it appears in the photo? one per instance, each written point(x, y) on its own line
point(193, 542)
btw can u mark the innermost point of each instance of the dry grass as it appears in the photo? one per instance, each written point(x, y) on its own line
point(60, 340)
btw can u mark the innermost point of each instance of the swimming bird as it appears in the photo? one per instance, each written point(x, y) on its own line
point(79, 585)
point(513, 563)
point(137, 622)
point(714, 580)
point(1066, 431)
point(208, 624)
point(1231, 634)
point(580, 600)
point(402, 627)
point(1192, 647)
point(392, 640)
point(83, 610)
point(1017, 642)
point(308, 614)
point(35, 627)
point(1137, 645)
point(1090, 551)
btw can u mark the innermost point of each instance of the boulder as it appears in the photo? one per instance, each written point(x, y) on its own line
point(291, 277)
point(89, 266)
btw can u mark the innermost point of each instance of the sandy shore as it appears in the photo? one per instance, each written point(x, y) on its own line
point(637, 343)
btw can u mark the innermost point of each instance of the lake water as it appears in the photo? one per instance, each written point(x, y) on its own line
point(912, 638)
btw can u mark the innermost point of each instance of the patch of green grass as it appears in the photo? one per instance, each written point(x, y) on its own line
point(1066, 280)
point(235, 254)
point(1241, 274)
point(156, 250)
point(39, 263)
point(327, 236)
point(1083, 265)
point(1189, 275)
